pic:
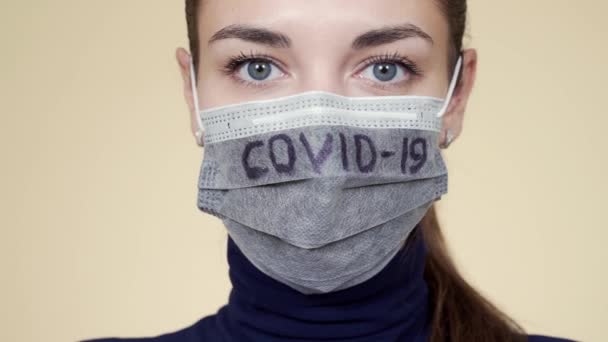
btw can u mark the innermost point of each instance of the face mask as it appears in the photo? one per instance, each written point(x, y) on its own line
point(318, 190)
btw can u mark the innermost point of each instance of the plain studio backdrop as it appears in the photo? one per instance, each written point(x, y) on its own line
point(100, 234)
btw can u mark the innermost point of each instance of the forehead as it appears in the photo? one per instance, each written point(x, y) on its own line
point(323, 20)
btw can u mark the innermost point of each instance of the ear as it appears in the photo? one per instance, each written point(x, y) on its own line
point(183, 61)
point(453, 118)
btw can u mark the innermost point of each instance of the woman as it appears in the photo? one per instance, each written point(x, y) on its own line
point(322, 123)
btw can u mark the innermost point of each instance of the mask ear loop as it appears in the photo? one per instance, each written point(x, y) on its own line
point(452, 87)
point(199, 130)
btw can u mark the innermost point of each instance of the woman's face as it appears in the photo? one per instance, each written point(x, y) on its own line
point(259, 49)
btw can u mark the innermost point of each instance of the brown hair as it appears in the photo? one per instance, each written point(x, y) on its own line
point(459, 312)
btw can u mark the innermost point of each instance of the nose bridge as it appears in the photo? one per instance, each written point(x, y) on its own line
point(322, 73)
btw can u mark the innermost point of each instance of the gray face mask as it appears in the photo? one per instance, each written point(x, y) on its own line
point(319, 190)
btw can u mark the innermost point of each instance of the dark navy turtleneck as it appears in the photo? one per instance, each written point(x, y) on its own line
point(391, 306)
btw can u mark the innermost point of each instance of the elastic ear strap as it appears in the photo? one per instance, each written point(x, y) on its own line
point(199, 122)
point(452, 87)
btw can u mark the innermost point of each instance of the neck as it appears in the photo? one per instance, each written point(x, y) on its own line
point(390, 306)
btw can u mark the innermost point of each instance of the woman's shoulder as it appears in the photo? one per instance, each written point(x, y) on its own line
point(189, 335)
point(202, 330)
point(182, 336)
point(546, 338)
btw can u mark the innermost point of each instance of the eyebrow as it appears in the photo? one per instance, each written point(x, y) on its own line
point(253, 34)
point(389, 34)
point(381, 36)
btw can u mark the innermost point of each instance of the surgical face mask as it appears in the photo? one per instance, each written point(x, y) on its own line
point(319, 190)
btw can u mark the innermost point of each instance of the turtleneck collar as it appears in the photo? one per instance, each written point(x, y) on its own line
point(391, 306)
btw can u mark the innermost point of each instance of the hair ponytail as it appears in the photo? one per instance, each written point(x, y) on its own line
point(459, 312)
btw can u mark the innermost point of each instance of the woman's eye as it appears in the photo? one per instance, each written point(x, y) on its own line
point(385, 72)
point(258, 70)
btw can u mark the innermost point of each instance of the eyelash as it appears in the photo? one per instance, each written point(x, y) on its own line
point(395, 58)
point(236, 61)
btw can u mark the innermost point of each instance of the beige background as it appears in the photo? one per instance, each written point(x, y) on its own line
point(100, 234)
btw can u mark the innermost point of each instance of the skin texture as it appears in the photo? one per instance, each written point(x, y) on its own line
point(321, 56)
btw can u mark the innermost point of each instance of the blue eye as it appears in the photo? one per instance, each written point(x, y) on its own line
point(385, 72)
point(259, 70)
point(389, 70)
point(252, 69)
